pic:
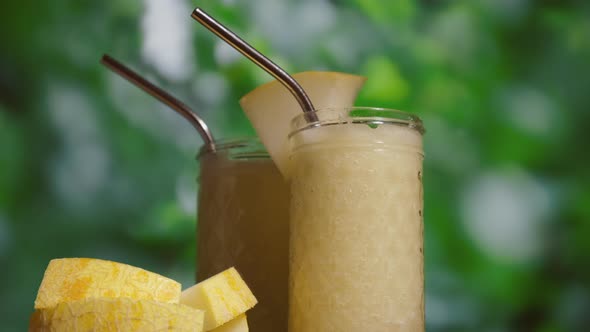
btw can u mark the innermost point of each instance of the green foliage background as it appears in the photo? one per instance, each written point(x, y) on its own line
point(91, 166)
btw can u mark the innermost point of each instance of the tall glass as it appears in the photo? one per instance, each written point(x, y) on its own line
point(243, 222)
point(356, 261)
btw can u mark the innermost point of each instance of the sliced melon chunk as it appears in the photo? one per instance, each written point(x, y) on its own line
point(271, 107)
point(223, 297)
point(71, 279)
point(120, 314)
point(239, 324)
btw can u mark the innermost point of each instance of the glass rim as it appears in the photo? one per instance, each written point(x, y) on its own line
point(225, 144)
point(365, 115)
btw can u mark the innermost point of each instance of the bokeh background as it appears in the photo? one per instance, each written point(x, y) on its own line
point(92, 166)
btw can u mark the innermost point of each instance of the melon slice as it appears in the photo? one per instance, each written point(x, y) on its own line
point(223, 297)
point(239, 324)
point(271, 107)
point(72, 279)
point(117, 314)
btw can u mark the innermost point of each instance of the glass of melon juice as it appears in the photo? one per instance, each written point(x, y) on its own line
point(243, 219)
point(356, 226)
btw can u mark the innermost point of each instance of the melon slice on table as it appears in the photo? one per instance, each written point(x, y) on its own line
point(117, 315)
point(239, 324)
point(223, 297)
point(72, 279)
point(271, 107)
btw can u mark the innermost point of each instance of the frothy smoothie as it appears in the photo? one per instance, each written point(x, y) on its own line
point(356, 259)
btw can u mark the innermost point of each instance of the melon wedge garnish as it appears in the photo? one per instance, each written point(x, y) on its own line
point(271, 107)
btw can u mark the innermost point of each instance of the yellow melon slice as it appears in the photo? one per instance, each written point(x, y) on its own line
point(71, 279)
point(271, 107)
point(239, 324)
point(223, 297)
point(119, 314)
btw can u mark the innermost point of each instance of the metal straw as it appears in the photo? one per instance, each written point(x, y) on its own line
point(251, 53)
point(162, 96)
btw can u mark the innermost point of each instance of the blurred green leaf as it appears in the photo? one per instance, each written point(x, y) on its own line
point(386, 85)
point(166, 226)
point(385, 12)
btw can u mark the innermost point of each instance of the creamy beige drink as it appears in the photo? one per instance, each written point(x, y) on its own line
point(243, 222)
point(356, 261)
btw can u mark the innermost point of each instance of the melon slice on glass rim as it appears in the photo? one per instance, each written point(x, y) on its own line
point(271, 107)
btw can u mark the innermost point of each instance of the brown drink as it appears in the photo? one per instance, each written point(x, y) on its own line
point(243, 217)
